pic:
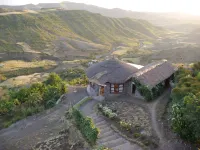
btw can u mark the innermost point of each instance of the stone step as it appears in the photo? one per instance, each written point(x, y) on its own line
point(103, 126)
point(106, 134)
point(101, 122)
point(126, 146)
point(109, 138)
point(105, 130)
point(114, 143)
point(123, 146)
point(98, 119)
point(93, 115)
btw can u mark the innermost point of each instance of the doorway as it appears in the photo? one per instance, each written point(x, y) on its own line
point(133, 88)
point(167, 83)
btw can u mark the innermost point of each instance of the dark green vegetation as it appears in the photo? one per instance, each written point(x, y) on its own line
point(41, 29)
point(150, 94)
point(75, 76)
point(18, 104)
point(86, 126)
point(2, 78)
point(186, 104)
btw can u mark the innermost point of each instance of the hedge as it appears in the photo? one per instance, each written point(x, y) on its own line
point(86, 126)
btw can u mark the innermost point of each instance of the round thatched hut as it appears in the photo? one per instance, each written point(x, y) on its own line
point(110, 77)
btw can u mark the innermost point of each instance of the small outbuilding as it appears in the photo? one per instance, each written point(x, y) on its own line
point(115, 77)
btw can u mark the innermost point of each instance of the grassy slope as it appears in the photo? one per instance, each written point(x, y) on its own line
point(39, 30)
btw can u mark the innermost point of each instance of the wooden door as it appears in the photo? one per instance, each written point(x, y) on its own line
point(102, 90)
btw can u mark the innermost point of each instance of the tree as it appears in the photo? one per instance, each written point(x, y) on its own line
point(53, 79)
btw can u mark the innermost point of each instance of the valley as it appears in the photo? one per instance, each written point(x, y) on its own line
point(64, 38)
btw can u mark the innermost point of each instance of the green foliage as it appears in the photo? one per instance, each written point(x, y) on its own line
point(6, 107)
point(86, 126)
point(149, 94)
point(137, 135)
point(53, 80)
point(102, 148)
point(28, 101)
point(146, 92)
point(186, 105)
point(2, 78)
point(125, 125)
point(196, 68)
point(75, 76)
point(107, 111)
point(198, 76)
point(158, 90)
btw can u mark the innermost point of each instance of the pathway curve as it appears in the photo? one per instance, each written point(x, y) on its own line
point(26, 133)
point(154, 119)
point(108, 137)
point(165, 143)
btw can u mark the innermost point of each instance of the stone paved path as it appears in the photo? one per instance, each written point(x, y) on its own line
point(108, 137)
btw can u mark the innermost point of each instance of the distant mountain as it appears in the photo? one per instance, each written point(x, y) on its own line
point(74, 29)
point(161, 19)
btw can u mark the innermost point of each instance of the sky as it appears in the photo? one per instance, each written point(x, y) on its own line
point(185, 6)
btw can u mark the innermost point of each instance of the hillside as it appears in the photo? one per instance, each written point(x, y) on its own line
point(187, 54)
point(71, 30)
point(161, 19)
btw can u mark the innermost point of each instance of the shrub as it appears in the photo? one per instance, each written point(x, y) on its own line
point(53, 80)
point(107, 112)
point(146, 92)
point(86, 126)
point(185, 105)
point(75, 76)
point(125, 125)
point(6, 107)
point(198, 76)
point(137, 135)
point(2, 78)
point(28, 101)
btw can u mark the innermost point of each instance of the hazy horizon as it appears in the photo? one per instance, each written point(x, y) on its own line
point(178, 6)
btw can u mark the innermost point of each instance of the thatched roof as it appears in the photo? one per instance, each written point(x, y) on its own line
point(112, 70)
point(155, 73)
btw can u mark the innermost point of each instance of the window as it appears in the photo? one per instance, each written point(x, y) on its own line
point(116, 88)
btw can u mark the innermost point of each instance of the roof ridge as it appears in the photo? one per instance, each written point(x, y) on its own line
point(146, 69)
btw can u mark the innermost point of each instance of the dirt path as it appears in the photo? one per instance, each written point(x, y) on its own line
point(26, 133)
point(154, 119)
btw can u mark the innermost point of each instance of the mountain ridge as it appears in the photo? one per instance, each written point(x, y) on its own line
point(161, 19)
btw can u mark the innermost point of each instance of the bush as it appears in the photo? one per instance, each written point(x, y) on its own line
point(107, 111)
point(185, 113)
point(6, 107)
point(28, 101)
point(137, 135)
point(2, 78)
point(75, 76)
point(146, 92)
point(86, 126)
point(149, 94)
point(125, 125)
point(198, 76)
